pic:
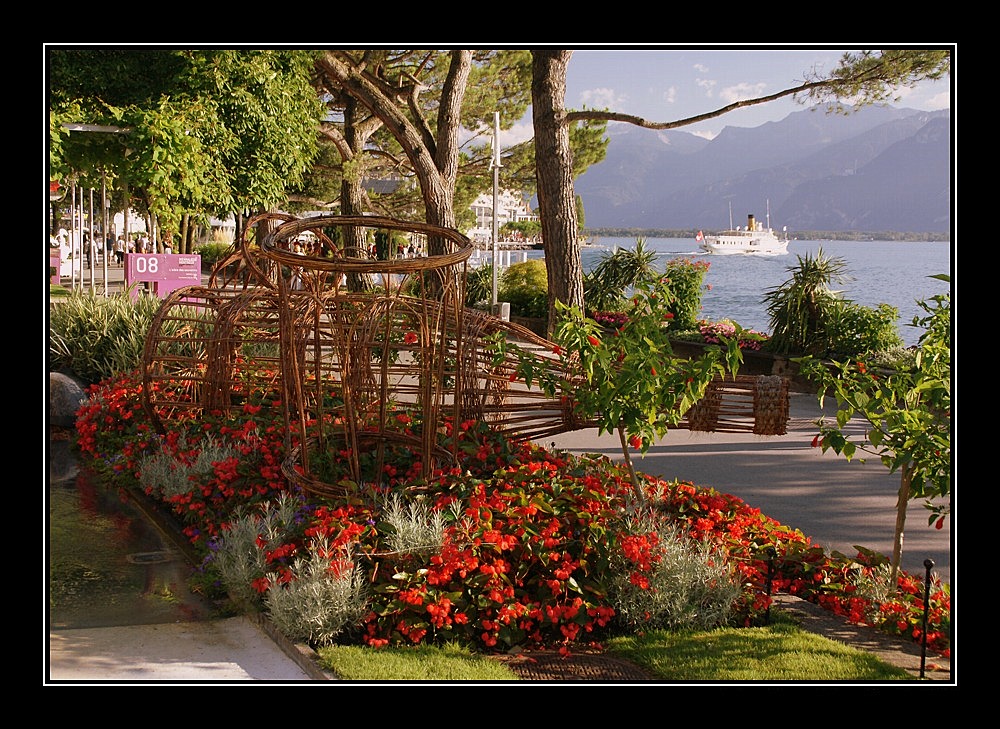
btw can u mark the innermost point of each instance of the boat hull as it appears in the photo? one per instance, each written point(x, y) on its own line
point(725, 245)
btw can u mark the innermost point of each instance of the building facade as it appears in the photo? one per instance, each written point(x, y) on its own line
point(511, 208)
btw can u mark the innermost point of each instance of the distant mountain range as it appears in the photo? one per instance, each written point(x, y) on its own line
point(876, 169)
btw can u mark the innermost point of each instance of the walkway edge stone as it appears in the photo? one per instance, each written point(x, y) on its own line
point(307, 659)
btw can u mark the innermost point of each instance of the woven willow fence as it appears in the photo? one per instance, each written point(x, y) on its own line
point(368, 356)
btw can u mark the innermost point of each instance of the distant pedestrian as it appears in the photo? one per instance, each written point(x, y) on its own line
point(120, 250)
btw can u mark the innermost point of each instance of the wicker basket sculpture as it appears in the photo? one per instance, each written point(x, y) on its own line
point(369, 355)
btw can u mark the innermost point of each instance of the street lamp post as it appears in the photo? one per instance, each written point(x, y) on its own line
point(495, 163)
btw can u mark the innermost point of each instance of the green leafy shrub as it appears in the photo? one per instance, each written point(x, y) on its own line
point(808, 316)
point(479, 285)
point(96, 337)
point(801, 307)
point(607, 287)
point(685, 279)
point(212, 253)
point(853, 329)
point(525, 286)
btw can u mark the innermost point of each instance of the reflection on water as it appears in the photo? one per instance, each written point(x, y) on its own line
point(108, 564)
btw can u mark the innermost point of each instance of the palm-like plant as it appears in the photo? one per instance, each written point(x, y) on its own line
point(800, 308)
point(479, 284)
point(607, 286)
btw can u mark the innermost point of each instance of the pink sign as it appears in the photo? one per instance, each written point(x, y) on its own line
point(55, 261)
point(165, 271)
point(162, 267)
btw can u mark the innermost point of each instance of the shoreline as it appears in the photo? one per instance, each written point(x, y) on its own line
point(846, 236)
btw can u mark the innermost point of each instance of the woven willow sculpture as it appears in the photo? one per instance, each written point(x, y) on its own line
point(368, 355)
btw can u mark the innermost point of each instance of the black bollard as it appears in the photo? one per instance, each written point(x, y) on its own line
point(928, 564)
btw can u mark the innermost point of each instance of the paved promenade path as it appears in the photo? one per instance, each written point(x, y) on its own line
point(835, 502)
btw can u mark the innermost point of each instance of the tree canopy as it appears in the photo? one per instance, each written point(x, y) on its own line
point(196, 131)
point(215, 131)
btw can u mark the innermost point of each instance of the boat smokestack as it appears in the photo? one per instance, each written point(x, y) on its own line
point(751, 223)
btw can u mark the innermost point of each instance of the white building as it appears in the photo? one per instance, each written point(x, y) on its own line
point(511, 208)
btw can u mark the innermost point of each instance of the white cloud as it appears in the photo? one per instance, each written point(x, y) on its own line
point(670, 95)
point(701, 68)
point(741, 92)
point(921, 98)
point(602, 98)
point(707, 84)
point(939, 101)
point(518, 133)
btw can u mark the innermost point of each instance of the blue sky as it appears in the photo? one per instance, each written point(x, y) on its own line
point(666, 83)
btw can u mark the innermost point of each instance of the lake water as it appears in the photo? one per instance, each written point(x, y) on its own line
point(890, 272)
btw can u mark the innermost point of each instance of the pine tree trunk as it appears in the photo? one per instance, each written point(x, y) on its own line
point(554, 176)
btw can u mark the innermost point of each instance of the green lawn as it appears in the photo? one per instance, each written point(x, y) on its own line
point(779, 652)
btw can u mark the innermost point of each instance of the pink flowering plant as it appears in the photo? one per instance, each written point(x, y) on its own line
point(685, 279)
point(715, 332)
point(610, 319)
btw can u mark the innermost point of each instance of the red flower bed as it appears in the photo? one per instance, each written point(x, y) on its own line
point(527, 560)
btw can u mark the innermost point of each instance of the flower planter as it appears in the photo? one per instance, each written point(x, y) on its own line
point(755, 362)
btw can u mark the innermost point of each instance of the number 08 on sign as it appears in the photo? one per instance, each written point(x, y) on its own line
point(164, 272)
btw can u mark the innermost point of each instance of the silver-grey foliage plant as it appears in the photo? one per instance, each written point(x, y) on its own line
point(690, 584)
point(416, 527)
point(237, 554)
point(163, 474)
point(322, 600)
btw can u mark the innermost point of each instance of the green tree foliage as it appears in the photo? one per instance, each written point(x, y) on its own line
point(205, 132)
point(527, 228)
point(875, 77)
point(908, 415)
point(629, 382)
point(424, 99)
